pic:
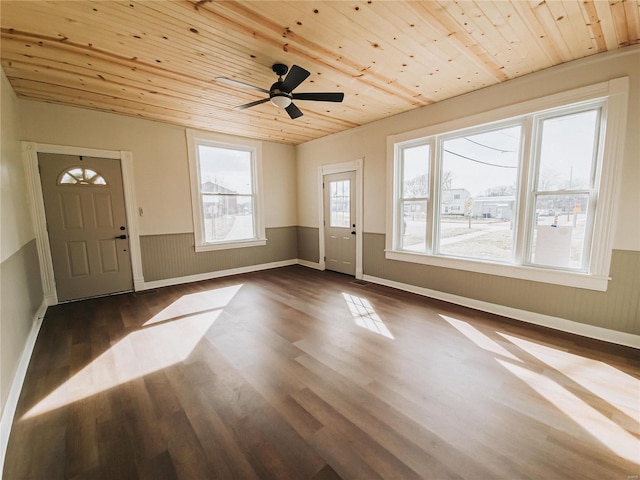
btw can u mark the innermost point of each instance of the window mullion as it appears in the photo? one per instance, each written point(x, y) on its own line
point(435, 186)
point(529, 178)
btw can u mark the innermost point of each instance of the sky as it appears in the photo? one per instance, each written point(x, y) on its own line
point(228, 168)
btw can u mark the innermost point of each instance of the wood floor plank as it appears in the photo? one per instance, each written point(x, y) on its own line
point(159, 467)
point(297, 374)
point(375, 419)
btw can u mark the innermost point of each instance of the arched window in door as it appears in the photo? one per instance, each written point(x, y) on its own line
point(81, 176)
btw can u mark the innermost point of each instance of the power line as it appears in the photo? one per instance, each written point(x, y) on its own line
point(478, 161)
point(487, 146)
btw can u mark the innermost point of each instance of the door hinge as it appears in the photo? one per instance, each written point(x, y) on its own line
point(325, 259)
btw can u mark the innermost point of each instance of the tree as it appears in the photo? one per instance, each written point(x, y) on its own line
point(417, 186)
point(500, 191)
point(447, 180)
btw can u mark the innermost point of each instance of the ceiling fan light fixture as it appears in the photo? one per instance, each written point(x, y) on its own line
point(281, 101)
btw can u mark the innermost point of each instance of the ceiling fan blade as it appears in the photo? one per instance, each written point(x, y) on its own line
point(236, 83)
point(320, 97)
point(252, 104)
point(293, 111)
point(295, 77)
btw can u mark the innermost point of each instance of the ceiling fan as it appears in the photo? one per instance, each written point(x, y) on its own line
point(281, 93)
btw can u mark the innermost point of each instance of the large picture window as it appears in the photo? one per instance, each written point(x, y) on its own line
point(525, 195)
point(225, 192)
point(478, 193)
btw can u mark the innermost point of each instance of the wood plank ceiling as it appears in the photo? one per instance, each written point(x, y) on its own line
point(158, 59)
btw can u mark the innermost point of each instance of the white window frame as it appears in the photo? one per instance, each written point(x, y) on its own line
point(614, 93)
point(400, 199)
point(592, 191)
point(438, 172)
point(196, 138)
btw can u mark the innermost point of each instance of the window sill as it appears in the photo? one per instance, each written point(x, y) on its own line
point(208, 247)
point(535, 274)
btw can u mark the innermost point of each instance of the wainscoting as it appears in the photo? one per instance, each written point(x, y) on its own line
point(616, 309)
point(174, 256)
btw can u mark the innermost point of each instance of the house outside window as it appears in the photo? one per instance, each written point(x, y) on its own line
point(525, 195)
point(225, 190)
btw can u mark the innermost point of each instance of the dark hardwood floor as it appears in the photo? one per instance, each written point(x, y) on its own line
point(297, 374)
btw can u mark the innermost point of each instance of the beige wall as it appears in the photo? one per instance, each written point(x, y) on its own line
point(280, 183)
point(20, 288)
point(160, 163)
point(369, 141)
point(17, 228)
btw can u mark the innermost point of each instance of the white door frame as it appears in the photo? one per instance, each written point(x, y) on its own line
point(323, 170)
point(30, 152)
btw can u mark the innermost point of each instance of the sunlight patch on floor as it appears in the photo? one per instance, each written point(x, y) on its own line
point(604, 381)
point(166, 339)
point(479, 338)
point(365, 315)
point(584, 372)
point(196, 302)
point(607, 432)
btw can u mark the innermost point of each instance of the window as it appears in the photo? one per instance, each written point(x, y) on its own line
point(414, 196)
point(520, 192)
point(340, 203)
point(225, 181)
point(565, 189)
point(478, 193)
point(81, 176)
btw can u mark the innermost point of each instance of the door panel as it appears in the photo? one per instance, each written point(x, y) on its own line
point(108, 256)
point(103, 211)
point(85, 210)
point(71, 208)
point(77, 259)
point(340, 227)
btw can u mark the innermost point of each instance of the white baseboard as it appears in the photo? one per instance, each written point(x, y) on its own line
point(209, 275)
point(51, 299)
point(306, 263)
point(564, 325)
point(9, 410)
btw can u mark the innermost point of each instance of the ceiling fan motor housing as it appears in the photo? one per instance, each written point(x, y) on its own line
point(279, 97)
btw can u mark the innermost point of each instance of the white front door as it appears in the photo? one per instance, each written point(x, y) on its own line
point(87, 225)
point(340, 222)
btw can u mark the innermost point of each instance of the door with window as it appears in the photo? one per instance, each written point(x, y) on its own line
point(339, 219)
point(87, 225)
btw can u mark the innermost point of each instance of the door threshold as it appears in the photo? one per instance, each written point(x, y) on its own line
point(95, 296)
